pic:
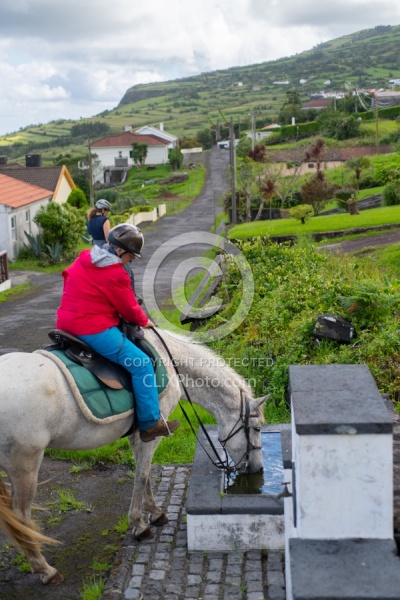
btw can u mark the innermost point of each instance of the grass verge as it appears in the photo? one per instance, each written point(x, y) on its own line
point(14, 291)
point(374, 217)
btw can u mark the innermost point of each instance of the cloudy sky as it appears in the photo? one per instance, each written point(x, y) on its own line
point(76, 58)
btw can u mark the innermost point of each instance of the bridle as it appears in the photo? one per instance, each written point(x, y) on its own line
point(243, 422)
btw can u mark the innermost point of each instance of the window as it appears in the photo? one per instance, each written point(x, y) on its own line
point(14, 228)
point(28, 221)
point(119, 153)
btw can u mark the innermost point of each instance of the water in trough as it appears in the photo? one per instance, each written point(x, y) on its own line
point(271, 481)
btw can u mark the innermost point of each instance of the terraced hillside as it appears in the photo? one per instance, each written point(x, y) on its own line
point(368, 58)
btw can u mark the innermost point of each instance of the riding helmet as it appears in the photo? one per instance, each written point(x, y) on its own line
point(128, 237)
point(103, 204)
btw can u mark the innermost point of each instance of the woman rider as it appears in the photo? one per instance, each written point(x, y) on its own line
point(98, 224)
point(97, 292)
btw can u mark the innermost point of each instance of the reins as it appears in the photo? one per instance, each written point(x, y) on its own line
point(243, 418)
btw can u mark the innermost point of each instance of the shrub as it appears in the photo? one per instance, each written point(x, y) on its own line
point(367, 181)
point(110, 195)
point(61, 224)
point(383, 171)
point(189, 143)
point(77, 198)
point(301, 212)
point(293, 284)
point(391, 194)
point(175, 158)
point(126, 202)
point(344, 193)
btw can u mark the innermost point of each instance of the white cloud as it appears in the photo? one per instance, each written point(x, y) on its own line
point(69, 59)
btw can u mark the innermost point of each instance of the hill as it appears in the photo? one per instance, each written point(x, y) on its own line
point(368, 58)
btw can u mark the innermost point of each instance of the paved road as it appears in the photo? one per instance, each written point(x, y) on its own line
point(25, 321)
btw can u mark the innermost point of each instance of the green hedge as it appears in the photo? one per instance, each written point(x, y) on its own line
point(301, 128)
point(369, 115)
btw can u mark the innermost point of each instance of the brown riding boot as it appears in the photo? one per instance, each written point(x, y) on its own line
point(159, 429)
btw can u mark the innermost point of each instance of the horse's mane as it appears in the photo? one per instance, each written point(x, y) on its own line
point(200, 353)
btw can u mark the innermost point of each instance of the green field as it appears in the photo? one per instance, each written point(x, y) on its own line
point(366, 218)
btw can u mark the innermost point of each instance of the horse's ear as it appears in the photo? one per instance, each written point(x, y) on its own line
point(255, 403)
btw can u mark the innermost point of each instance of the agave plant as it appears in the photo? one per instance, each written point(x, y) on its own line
point(36, 244)
point(54, 252)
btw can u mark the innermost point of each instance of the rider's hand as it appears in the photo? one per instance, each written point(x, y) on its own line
point(149, 324)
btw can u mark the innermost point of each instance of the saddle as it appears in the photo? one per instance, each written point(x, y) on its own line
point(110, 373)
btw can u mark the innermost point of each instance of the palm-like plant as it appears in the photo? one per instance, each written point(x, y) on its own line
point(268, 190)
point(358, 165)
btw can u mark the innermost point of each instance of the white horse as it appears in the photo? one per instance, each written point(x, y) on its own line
point(38, 411)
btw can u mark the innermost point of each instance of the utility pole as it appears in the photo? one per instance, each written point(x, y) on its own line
point(217, 131)
point(232, 149)
point(376, 122)
point(91, 191)
point(253, 130)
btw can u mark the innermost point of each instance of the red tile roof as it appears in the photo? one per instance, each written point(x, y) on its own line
point(15, 193)
point(320, 103)
point(127, 138)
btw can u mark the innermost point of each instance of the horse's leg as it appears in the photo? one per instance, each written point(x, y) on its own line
point(140, 500)
point(24, 485)
point(157, 514)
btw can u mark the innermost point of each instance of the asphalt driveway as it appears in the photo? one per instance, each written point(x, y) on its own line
point(26, 319)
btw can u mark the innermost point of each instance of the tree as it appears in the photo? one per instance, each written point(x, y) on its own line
point(258, 154)
point(358, 165)
point(139, 153)
point(338, 125)
point(245, 184)
point(82, 181)
point(268, 191)
point(175, 158)
point(243, 147)
point(292, 108)
point(204, 137)
point(89, 128)
point(248, 175)
point(317, 190)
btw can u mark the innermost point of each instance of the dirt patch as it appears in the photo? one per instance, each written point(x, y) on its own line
point(89, 536)
point(167, 195)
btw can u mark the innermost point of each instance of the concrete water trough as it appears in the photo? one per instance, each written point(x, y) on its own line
point(223, 516)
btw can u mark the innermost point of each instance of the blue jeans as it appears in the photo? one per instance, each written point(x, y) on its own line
point(112, 344)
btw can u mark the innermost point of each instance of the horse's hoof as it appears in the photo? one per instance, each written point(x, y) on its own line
point(160, 521)
point(58, 578)
point(143, 535)
point(54, 580)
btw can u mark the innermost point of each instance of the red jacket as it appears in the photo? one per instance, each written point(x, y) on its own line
point(94, 298)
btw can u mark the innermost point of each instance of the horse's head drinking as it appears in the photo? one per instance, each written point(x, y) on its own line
point(240, 434)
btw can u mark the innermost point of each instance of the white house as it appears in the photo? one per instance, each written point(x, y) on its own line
point(114, 151)
point(19, 202)
point(160, 133)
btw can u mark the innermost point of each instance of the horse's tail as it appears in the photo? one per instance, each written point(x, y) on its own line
point(24, 535)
